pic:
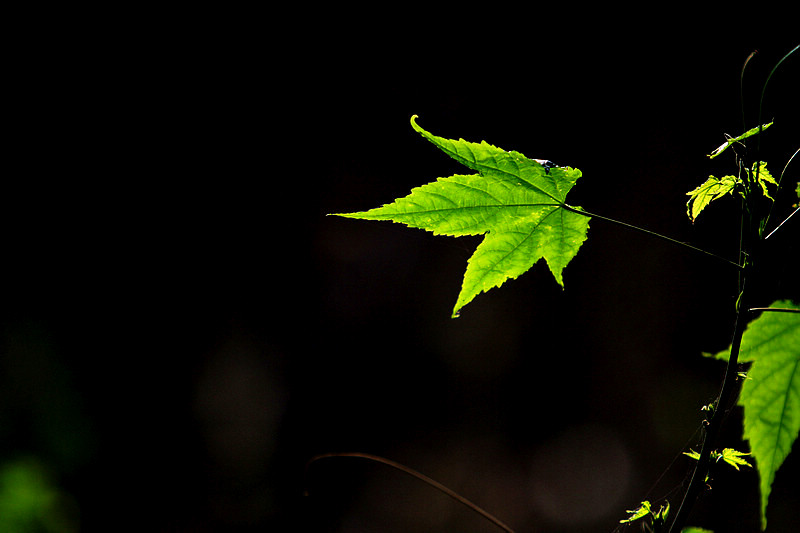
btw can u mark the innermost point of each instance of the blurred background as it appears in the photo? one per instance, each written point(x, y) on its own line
point(182, 328)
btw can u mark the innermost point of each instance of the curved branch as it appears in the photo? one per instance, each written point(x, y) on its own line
point(422, 477)
point(709, 441)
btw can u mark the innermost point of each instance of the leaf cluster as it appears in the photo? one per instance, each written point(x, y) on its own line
point(729, 455)
point(519, 205)
point(652, 521)
point(715, 188)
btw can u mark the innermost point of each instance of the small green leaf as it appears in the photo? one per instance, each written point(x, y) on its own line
point(518, 204)
point(695, 530)
point(693, 454)
point(640, 512)
point(761, 174)
point(734, 458)
point(706, 193)
point(729, 455)
point(771, 394)
point(662, 513)
point(715, 188)
point(745, 135)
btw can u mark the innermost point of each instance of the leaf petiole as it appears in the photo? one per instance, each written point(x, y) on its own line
point(774, 309)
point(582, 211)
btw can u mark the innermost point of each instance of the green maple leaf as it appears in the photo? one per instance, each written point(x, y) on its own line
point(734, 458)
point(636, 514)
point(763, 177)
point(712, 189)
point(516, 202)
point(715, 188)
point(729, 455)
point(771, 394)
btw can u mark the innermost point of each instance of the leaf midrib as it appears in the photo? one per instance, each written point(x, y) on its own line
point(517, 247)
point(456, 208)
point(474, 164)
point(781, 426)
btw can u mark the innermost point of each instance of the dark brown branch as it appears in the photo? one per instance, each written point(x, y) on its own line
point(709, 441)
point(422, 477)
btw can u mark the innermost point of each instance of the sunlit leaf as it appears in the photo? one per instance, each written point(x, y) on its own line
point(745, 135)
point(712, 189)
point(763, 177)
point(516, 202)
point(734, 458)
point(729, 455)
point(640, 512)
point(715, 188)
point(771, 394)
point(693, 454)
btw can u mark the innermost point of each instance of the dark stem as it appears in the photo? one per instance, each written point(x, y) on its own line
point(750, 246)
point(422, 477)
point(729, 384)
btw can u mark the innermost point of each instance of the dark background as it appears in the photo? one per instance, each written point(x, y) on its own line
point(183, 327)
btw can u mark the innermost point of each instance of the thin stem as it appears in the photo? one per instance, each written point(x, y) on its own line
point(774, 309)
point(782, 223)
point(650, 233)
point(769, 77)
point(769, 213)
point(422, 477)
point(741, 87)
point(760, 114)
point(761, 103)
point(728, 385)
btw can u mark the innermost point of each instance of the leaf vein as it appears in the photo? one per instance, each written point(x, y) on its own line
point(774, 459)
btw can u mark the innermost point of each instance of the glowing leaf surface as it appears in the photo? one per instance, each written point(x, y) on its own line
point(516, 202)
point(771, 393)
